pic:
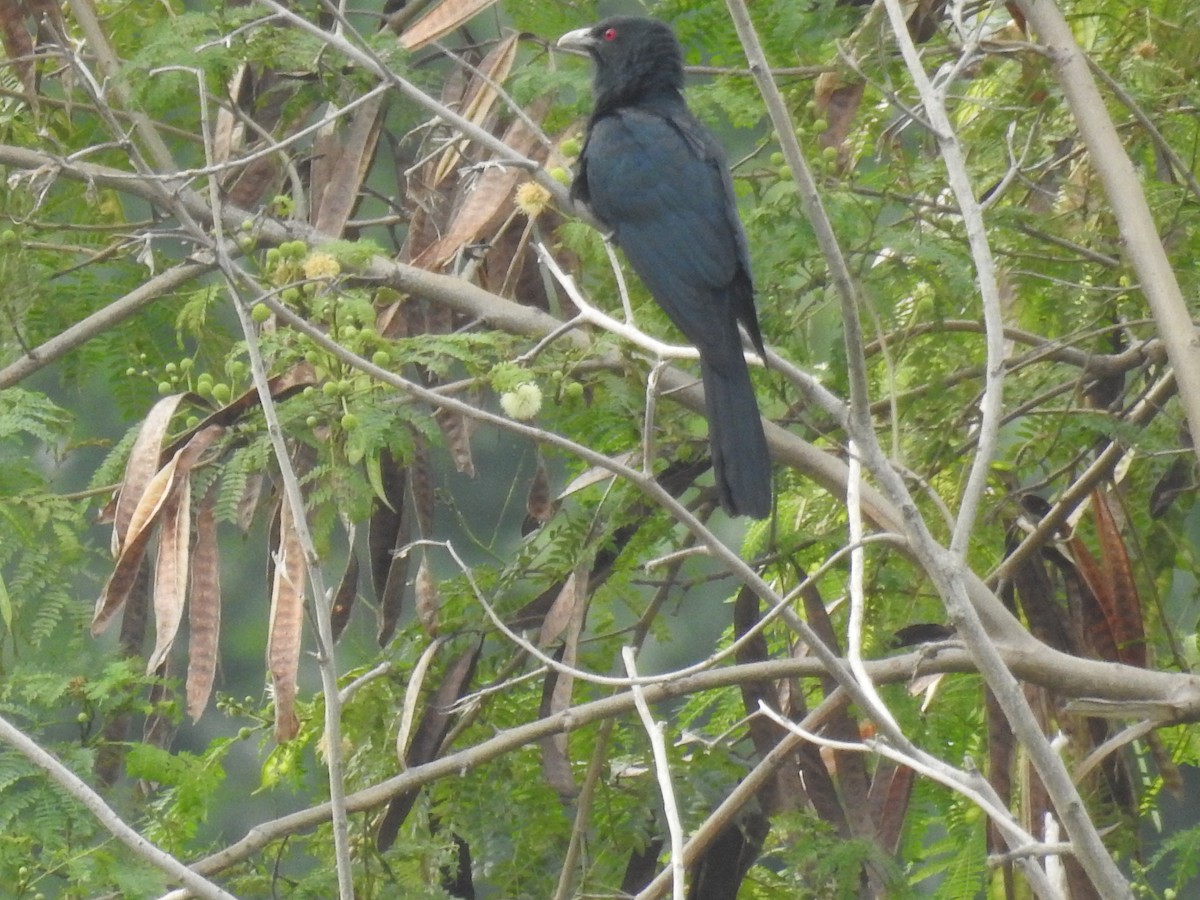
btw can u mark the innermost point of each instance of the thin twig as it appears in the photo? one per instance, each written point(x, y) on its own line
point(746, 790)
point(662, 770)
point(858, 601)
point(622, 288)
point(991, 405)
point(648, 442)
point(380, 671)
point(583, 806)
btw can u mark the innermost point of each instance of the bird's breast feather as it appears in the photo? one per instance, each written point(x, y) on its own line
point(660, 187)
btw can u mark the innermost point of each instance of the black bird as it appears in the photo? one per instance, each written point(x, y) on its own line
point(657, 178)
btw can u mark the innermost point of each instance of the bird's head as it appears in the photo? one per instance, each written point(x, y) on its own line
point(635, 59)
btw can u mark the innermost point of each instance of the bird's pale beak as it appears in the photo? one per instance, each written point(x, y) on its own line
point(579, 39)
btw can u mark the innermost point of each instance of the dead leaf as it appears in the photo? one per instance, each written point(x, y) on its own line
point(556, 764)
point(286, 624)
point(807, 779)
point(281, 387)
point(174, 545)
point(537, 500)
point(412, 694)
point(391, 600)
point(428, 603)
point(596, 474)
point(720, 867)
point(562, 611)
point(441, 20)
point(427, 739)
point(129, 562)
point(204, 608)
point(890, 795)
point(456, 429)
point(344, 166)
point(247, 504)
point(420, 477)
point(490, 199)
point(171, 570)
point(571, 601)
point(481, 98)
point(142, 465)
point(841, 106)
point(18, 44)
point(160, 726)
point(229, 128)
point(1124, 603)
point(343, 600)
point(1095, 602)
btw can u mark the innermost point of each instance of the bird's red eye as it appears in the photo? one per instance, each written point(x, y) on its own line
point(610, 34)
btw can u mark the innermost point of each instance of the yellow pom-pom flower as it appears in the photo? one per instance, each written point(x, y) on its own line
point(523, 402)
point(532, 199)
point(321, 265)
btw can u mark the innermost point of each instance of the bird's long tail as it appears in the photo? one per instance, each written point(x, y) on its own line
point(741, 463)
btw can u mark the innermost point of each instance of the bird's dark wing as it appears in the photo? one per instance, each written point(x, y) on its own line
point(661, 184)
point(655, 176)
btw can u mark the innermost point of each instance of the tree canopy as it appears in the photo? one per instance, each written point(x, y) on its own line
point(358, 534)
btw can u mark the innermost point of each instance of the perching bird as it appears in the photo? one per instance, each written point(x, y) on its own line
point(656, 177)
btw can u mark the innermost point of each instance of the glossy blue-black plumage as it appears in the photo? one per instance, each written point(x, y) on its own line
point(658, 179)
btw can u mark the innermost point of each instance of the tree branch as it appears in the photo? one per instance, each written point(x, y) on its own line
point(102, 320)
point(75, 786)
